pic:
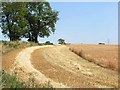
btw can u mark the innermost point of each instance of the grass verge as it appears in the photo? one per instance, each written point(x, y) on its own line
point(10, 81)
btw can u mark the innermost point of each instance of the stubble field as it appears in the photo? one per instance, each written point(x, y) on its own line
point(102, 55)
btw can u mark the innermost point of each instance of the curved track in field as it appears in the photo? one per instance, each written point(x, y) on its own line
point(62, 68)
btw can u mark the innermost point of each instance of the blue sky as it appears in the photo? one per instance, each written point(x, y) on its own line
point(85, 22)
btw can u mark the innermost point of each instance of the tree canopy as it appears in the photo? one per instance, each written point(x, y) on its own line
point(13, 21)
point(61, 41)
point(28, 19)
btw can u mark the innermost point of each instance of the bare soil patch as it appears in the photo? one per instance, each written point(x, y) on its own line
point(9, 58)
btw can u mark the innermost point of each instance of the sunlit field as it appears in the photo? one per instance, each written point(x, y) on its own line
point(103, 55)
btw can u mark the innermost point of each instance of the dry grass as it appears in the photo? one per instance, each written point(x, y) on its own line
point(102, 55)
point(7, 46)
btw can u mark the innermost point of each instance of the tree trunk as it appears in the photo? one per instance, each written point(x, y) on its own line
point(35, 39)
point(30, 37)
point(10, 32)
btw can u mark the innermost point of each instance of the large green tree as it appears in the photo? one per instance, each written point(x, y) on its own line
point(14, 25)
point(41, 20)
point(30, 20)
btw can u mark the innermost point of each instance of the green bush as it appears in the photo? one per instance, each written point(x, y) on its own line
point(61, 41)
point(10, 81)
point(48, 43)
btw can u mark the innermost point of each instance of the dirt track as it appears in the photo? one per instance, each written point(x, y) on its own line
point(25, 71)
point(61, 68)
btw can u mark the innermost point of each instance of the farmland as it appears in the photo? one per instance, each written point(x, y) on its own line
point(55, 66)
point(102, 55)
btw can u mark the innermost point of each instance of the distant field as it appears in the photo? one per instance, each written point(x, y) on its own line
point(103, 55)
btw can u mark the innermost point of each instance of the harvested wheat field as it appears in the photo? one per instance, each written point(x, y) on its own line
point(67, 69)
point(102, 55)
point(56, 66)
